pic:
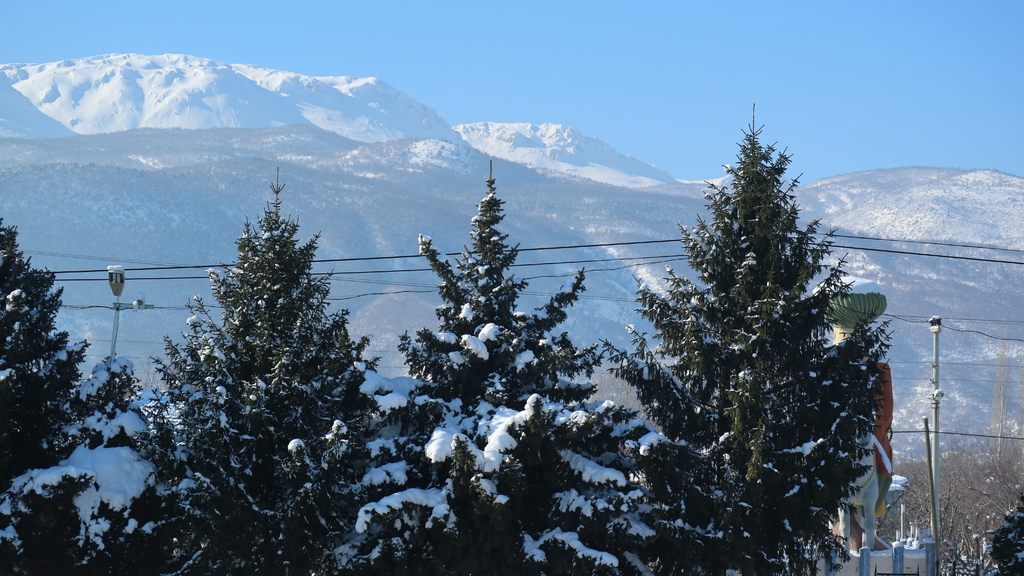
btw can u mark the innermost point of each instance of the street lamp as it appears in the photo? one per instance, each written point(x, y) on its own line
point(115, 277)
point(937, 394)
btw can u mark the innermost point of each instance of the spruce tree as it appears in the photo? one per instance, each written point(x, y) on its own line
point(265, 405)
point(766, 418)
point(1008, 543)
point(78, 498)
point(38, 367)
point(38, 377)
point(506, 468)
point(116, 429)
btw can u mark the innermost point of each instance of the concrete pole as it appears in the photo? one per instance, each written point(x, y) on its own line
point(898, 561)
point(936, 328)
point(933, 491)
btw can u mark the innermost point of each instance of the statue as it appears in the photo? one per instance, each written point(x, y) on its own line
point(862, 305)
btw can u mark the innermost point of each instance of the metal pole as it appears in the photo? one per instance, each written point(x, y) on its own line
point(934, 490)
point(936, 327)
point(903, 520)
point(117, 320)
point(115, 276)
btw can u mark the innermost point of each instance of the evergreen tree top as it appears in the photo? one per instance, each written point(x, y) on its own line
point(746, 376)
point(755, 226)
point(270, 406)
point(485, 346)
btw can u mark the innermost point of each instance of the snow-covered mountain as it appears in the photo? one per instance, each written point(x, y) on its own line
point(149, 198)
point(983, 205)
point(119, 92)
point(561, 150)
point(21, 119)
point(127, 91)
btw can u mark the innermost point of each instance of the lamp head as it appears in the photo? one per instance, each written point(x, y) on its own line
point(115, 276)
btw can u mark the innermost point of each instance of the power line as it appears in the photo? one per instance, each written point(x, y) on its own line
point(365, 294)
point(1000, 338)
point(957, 380)
point(944, 256)
point(581, 246)
point(528, 264)
point(965, 330)
point(91, 257)
point(944, 363)
point(429, 288)
point(92, 306)
point(991, 436)
point(372, 258)
point(926, 319)
point(930, 243)
point(433, 288)
point(347, 275)
point(657, 259)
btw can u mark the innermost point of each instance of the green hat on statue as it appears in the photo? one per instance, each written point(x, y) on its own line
point(863, 304)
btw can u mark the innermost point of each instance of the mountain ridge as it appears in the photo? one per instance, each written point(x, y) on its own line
point(117, 92)
point(180, 196)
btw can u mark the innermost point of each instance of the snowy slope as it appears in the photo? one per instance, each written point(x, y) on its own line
point(946, 219)
point(562, 150)
point(180, 197)
point(370, 169)
point(126, 91)
point(157, 197)
point(19, 118)
point(968, 206)
point(118, 92)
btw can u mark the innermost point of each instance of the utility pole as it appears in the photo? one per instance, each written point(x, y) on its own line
point(937, 394)
point(115, 276)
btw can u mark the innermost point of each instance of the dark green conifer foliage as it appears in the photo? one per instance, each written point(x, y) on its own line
point(47, 413)
point(1008, 543)
point(768, 417)
point(268, 412)
point(38, 368)
point(136, 539)
point(509, 472)
point(38, 378)
point(477, 291)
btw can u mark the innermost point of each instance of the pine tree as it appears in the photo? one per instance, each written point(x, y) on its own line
point(38, 367)
point(1008, 543)
point(766, 418)
point(75, 487)
point(506, 468)
point(125, 528)
point(38, 377)
point(266, 406)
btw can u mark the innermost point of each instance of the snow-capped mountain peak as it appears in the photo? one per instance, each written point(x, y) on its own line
point(559, 149)
point(119, 92)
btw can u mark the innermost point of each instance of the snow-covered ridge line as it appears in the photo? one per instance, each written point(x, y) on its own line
point(562, 150)
point(119, 92)
point(116, 92)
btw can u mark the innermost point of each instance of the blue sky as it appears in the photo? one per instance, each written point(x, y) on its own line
point(844, 86)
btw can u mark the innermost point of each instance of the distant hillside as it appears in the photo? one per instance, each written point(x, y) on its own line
point(369, 169)
point(118, 92)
